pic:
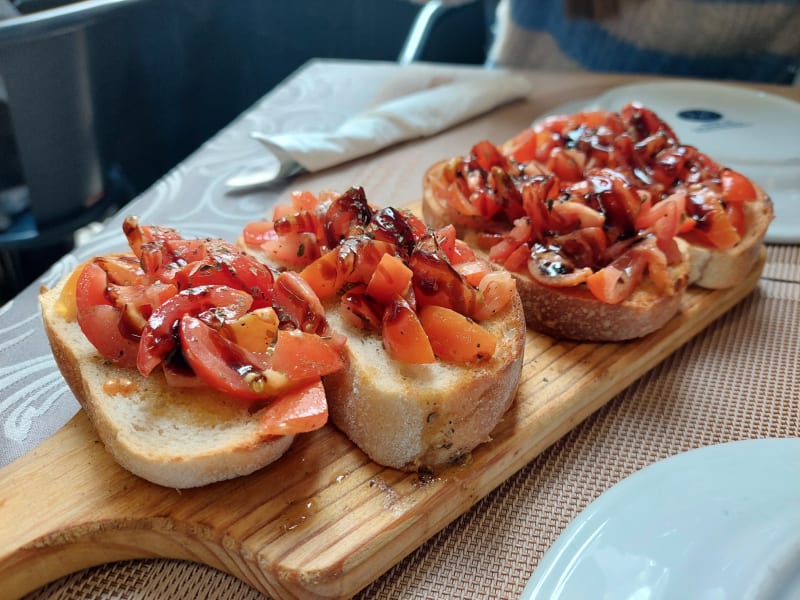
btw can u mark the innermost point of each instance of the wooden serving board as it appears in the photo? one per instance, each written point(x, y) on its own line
point(324, 521)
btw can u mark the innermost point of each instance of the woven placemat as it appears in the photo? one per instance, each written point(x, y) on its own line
point(737, 380)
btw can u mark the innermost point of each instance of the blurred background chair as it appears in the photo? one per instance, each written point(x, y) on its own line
point(60, 89)
point(457, 31)
point(103, 97)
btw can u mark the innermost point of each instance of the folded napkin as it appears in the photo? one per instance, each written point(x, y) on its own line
point(415, 115)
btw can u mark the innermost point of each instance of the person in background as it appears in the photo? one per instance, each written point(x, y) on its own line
point(755, 40)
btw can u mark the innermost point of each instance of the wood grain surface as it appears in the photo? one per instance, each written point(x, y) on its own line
point(324, 521)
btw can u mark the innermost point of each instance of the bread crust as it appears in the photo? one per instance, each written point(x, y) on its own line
point(573, 312)
point(171, 437)
point(418, 417)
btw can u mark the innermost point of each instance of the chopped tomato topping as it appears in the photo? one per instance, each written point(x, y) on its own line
point(303, 356)
point(456, 338)
point(294, 249)
point(487, 155)
point(298, 305)
point(297, 411)
point(614, 283)
point(215, 304)
point(391, 278)
point(736, 188)
point(404, 338)
point(625, 176)
point(256, 233)
point(495, 292)
point(225, 366)
point(100, 321)
point(323, 274)
point(254, 330)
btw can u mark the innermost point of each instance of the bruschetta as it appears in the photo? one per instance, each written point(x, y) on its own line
point(435, 335)
point(604, 218)
point(194, 362)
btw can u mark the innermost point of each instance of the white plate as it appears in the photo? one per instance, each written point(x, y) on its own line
point(753, 132)
point(716, 523)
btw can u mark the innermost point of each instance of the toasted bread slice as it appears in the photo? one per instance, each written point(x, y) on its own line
point(719, 269)
point(173, 437)
point(416, 417)
point(573, 313)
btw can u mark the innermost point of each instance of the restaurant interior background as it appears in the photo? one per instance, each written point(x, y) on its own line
point(100, 98)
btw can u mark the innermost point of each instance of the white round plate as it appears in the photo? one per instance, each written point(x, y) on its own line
point(716, 523)
point(751, 131)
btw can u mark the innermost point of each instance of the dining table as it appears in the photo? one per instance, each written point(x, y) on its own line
point(736, 378)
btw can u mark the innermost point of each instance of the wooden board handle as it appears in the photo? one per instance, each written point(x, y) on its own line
point(65, 506)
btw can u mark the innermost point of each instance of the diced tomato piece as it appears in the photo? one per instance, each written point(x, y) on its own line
point(736, 187)
point(616, 282)
point(347, 215)
point(256, 233)
point(361, 310)
point(90, 288)
point(396, 227)
point(226, 265)
point(185, 250)
point(487, 155)
point(495, 292)
point(518, 259)
point(137, 302)
point(99, 320)
point(446, 238)
point(457, 251)
point(391, 278)
point(297, 411)
point(462, 253)
point(358, 257)
point(122, 269)
point(323, 274)
point(294, 249)
point(225, 366)
point(714, 227)
point(664, 218)
point(297, 304)
point(404, 339)
point(523, 146)
point(566, 164)
point(282, 210)
point(456, 338)
point(503, 249)
point(159, 336)
point(101, 326)
point(304, 200)
point(436, 281)
point(304, 356)
point(255, 330)
point(137, 234)
point(473, 271)
point(458, 199)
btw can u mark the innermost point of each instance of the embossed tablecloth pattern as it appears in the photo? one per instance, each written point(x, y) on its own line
point(737, 380)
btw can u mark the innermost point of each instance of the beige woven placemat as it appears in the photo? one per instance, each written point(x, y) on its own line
point(737, 380)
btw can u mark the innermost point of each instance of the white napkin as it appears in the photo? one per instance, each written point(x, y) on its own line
point(419, 114)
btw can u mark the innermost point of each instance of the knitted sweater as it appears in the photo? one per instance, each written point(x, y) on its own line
point(755, 40)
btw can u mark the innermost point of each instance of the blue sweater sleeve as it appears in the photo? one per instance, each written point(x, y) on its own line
point(751, 41)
